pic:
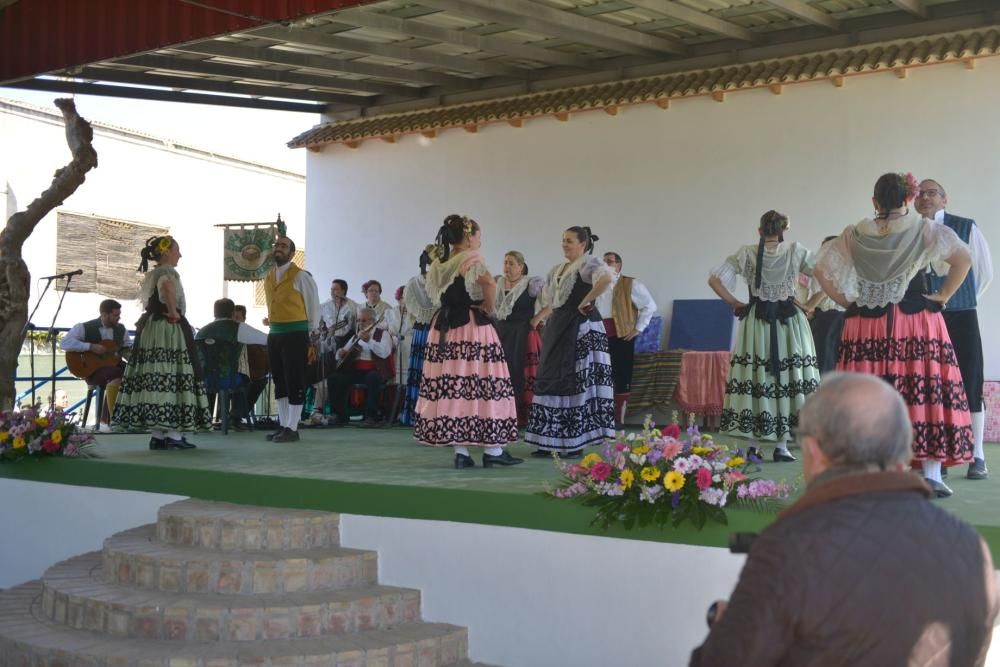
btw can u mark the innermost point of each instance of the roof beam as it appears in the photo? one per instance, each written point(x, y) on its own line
point(466, 38)
point(702, 20)
point(915, 7)
point(274, 76)
point(219, 48)
point(231, 87)
point(799, 9)
point(406, 54)
point(83, 88)
point(535, 17)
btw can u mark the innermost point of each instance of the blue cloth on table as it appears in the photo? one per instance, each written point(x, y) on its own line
point(703, 325)
point(650, 339)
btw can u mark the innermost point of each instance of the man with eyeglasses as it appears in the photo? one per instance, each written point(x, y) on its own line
point(960, 311)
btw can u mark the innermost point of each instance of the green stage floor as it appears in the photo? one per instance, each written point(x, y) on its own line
point(384, 472)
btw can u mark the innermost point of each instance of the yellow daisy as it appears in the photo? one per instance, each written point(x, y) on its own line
point(673, 481)
point(650, 474)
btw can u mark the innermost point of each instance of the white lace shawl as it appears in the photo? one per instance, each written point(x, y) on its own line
point(506, 298)
point(468, 263)
point(874, 270)
point(561, 278)
point(154, 278)
point(419, 306)
point(779, 273)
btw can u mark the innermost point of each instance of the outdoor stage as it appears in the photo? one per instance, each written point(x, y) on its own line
point(384, 472)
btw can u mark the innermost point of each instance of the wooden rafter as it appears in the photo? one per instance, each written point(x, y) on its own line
point(702, 20)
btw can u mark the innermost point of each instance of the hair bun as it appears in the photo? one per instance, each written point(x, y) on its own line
point(595, 238)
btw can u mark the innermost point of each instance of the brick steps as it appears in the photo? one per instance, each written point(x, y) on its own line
point(229, 527)
point(29, 642)
point(134, 557)
point(74, 595)
point(220, 585)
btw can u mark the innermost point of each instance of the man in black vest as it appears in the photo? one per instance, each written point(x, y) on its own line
point(87, 337)
point(366, 359)
point(225, 328)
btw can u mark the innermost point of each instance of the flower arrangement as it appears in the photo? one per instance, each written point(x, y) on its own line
point(30, 432)
point(656, 477)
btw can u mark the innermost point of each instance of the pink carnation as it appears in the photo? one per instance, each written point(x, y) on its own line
point(621, 447)
point(671, 449)
point(576, 470)
point(704, 478)
point(600, 471)
point(50, 447)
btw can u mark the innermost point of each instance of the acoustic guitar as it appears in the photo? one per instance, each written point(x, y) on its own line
point(83, 364)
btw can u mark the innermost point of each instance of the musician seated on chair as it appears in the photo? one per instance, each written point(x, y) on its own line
point(366, 360)
point(93, 336)
point(225, 328)
point(257, 383)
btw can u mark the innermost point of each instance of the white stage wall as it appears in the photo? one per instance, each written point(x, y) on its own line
point(673, 191)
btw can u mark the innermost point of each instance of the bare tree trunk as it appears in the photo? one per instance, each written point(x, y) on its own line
point(15, 279)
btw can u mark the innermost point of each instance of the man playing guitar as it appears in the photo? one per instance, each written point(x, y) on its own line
point(99, 342)
point(365, 359)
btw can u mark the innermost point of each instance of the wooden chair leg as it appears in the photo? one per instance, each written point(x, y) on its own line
point(100, 407)
point(86, 405)
point(224, 410)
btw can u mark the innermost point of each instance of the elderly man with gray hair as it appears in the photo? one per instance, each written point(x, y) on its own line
point(862, 569)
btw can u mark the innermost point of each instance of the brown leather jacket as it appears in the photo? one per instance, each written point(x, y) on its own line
point(863, 571)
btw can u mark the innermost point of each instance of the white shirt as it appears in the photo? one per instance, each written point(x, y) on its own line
point(333, 315)
point(74, 340)
point(982, 263)
point(306, 286)
point(366, 348)
point(641, 297)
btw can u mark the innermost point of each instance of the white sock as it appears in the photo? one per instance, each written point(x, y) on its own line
point(294, 412)
point(978, 425)
point(156, 433)
point(461, 449)
point(494, 451)
point(282, 410)
point(174, 435)
point(932, 470)
point(781, 446)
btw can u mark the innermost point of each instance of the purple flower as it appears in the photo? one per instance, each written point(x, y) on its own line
point(653, 456)
point(675, 499)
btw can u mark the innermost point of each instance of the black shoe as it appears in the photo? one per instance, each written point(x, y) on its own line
point(239, 427)
point(170, 443)
point(288, 435)
point(464, 461)
point(156, 444)
point(370, 423)
point(939, 488)
point(272, 436)
point(754, 453)
point(502, 459)
point(541, 454)
point(977, 470)
point(782, 457)
point(573, 454)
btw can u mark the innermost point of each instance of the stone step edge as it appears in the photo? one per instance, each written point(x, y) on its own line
point(73, 597)
point(24, 636)
point(134, 558)
point(226, 526)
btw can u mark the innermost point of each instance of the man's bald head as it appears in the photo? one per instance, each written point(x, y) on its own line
point(858, 420)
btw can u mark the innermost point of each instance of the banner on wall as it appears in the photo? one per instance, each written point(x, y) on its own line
point(246, 253)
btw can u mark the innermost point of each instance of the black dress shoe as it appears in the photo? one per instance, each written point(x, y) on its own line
point(573, 454)
point(170, 443)
point(541, 454)
point(977, 470)
point(464, 461)
point(370, 423)
point(782, 457)
point(156, 444)
point(940, 489)
point(502, 459)
point(288, 435)
point(272, 436)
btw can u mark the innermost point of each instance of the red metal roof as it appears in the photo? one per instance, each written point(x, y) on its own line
point(39, 36)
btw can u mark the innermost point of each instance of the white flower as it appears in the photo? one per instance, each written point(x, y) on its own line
point(630, 437)
point(683, 465)
point(713, 496)
point(696, 461)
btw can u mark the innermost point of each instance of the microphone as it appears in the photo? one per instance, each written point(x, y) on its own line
point(68, 274)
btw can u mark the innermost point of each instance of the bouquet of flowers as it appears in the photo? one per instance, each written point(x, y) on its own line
point(30, 432)
point(657, 477)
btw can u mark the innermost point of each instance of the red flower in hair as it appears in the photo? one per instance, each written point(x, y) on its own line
point(910, 186)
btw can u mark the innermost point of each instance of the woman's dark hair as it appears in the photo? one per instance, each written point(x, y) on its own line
point(342, 283)
point(370, 283)
point(584, 235)
point(829, 238)
point(426, 259)
point(772, 223)
point(892, 191)
point(152, 252)
point(453, 230)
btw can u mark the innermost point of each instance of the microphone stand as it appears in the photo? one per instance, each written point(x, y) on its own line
point(52, 341)
point(31, 345)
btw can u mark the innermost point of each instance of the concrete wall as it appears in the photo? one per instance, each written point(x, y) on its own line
point(673, 191)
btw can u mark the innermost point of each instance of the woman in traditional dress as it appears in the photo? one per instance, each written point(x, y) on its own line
point(573, 405)
point(517, 296)
point(162, 390)
point(466, 396)
point(826, 319)
point(773, 368)
point(893, 326)
point(420, 310)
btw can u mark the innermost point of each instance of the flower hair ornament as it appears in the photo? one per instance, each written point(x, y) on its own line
point(164, 244)
point(910, 186)
point(468, 225)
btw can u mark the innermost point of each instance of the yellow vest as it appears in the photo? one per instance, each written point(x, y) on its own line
point(284, 302)
point(623, 311)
